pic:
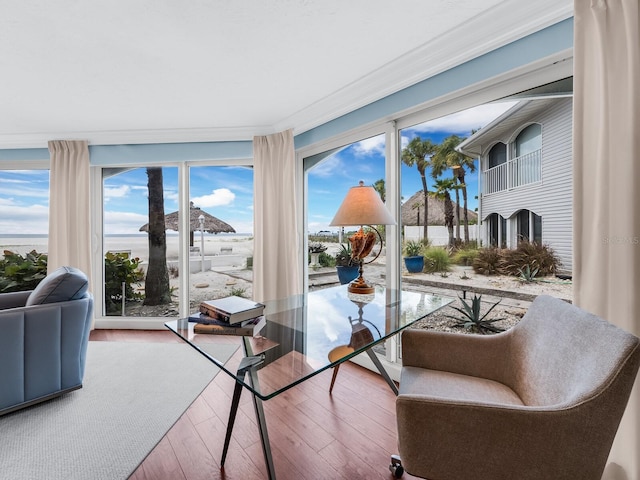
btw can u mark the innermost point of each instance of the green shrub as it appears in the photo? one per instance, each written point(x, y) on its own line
point(436, 259)
point(465, 257)
point(530, 255)
point(238, 291)
point(488, 261)
point(119, 269)
point(412, 248)
point(19, 274)
point(326, 260)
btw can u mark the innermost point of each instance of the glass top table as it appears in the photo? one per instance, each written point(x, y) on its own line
point(307, 334)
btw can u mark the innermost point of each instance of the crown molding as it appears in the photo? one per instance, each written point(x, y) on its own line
point(125, 137)
point(505, 23)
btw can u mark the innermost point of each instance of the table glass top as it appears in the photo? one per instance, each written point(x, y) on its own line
point(307, 334)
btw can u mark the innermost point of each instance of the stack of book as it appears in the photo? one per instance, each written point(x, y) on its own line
point(229, 316)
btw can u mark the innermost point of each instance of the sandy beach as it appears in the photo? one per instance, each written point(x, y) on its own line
point(226, 270)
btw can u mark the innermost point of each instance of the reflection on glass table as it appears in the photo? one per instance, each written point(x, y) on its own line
point(308, 334)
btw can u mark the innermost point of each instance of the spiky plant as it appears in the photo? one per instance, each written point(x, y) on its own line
point(527, 274)
point(472, 319)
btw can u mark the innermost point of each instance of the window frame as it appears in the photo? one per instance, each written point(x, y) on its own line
point(148, 323)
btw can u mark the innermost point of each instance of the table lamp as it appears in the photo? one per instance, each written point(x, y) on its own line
point(362, 206)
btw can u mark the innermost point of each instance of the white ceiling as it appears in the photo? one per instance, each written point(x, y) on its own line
point(129, 71)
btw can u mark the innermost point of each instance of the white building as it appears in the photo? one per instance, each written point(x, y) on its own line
point(525, 158)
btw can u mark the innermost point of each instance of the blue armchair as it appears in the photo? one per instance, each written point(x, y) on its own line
point(43, 339)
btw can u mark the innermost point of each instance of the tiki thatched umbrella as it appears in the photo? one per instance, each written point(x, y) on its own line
point(413, 210)
point(211, 223)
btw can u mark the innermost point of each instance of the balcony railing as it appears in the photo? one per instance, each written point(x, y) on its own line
point(522, 170)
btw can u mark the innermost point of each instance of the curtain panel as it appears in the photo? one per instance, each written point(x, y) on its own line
point(69, 206)
point(606, 157)
point(276, 262)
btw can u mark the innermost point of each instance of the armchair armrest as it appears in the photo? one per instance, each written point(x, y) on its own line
point(485, 356)
point(494, 441)
point(13, 299)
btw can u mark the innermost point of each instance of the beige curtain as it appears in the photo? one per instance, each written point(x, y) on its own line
point(69, 211)
point(276, 262)
point(606, 177)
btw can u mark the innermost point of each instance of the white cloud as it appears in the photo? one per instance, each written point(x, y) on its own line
point(329, 167)
point(370, 145)
point(171, 195)
point(24, 191)
point(24, 219)
point(123, 222)
point(116, 192)
point(217, 198)
point(464, 121)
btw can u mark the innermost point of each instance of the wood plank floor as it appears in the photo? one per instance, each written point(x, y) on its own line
point(314, 436)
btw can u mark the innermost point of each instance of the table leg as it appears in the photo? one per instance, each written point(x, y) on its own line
point(235, 402)
point(262, 426)
point(245, 367)
point(383, 372)
point(262, 423)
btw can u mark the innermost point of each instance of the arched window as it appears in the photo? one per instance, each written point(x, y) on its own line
point(526, 166)
point(497, 155)
point(529, 226)
point(529, 140)
point(496, 230)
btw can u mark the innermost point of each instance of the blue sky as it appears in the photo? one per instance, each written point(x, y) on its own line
point(330, 180)
point(227, 192)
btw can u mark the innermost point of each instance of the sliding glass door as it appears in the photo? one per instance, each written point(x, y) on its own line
point(140, 245)
point(221, 233)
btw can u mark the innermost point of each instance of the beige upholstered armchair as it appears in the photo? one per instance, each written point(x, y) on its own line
point(540, 401)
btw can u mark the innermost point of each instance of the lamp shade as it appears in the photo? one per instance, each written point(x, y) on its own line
point(362, 206)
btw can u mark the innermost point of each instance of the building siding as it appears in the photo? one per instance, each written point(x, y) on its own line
point(551, 198)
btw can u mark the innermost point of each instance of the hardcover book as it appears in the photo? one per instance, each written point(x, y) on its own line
point(248, 328)
point(232, 309)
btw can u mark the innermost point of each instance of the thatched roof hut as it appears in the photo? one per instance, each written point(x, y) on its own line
point(413, 210)
point(211, 223)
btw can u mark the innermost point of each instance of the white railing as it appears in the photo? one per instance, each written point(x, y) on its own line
point(495, 179)
point(519, 171)
point(525, 169)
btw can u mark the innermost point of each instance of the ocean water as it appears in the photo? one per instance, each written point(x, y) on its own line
point(135, 244)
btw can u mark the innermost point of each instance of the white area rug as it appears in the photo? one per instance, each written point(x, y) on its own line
point(133, 393)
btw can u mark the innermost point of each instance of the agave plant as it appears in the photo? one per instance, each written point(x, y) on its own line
point(472, 319)
point(343, 257)
point(527, 274)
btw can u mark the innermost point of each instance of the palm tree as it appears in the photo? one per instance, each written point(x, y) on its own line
point(419, 153)
point(156, 285)
point(442, 189)
point(448, 157)
point(379, 187)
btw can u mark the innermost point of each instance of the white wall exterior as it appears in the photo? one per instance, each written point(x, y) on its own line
point(438, 234)
point(551, 198)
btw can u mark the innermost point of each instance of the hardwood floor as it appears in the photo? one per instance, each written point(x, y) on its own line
point(314, 436)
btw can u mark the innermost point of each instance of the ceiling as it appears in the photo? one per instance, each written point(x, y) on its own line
point(135, 71)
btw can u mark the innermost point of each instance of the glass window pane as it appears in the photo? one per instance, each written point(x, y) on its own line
point(529, 140)
point(497, 155)
point(24, 227)
point(221, 247)
point(140, 243)
point(330, 176)
point(537, 228)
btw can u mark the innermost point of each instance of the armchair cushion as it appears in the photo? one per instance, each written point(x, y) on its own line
point(453, 386)
point(62, 285)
